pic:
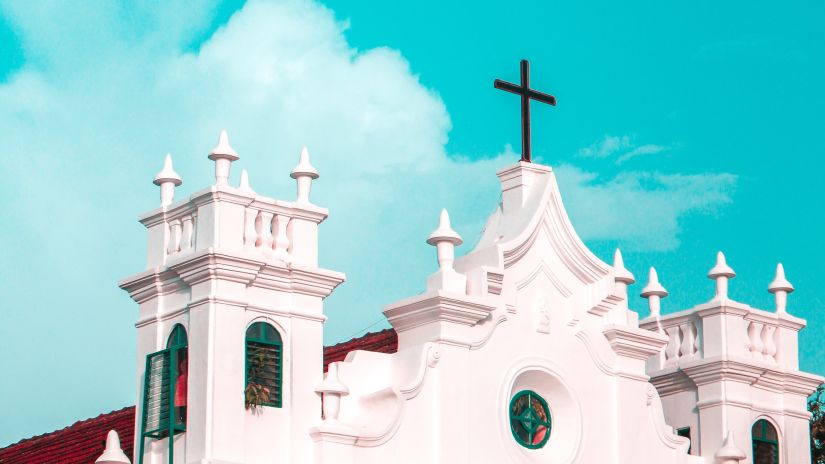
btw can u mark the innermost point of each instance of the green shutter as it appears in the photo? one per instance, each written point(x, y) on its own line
point(158, 417)
point(264, 358)
point(156, 395)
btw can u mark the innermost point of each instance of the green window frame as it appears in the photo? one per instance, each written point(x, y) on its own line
point(158, 417)
point(263, 366)
point(765, 440)
point(530, 419)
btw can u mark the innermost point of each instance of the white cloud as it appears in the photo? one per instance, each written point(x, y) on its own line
point(605, 147)
point(623, 146)
point(642, 209)
point(648, 149)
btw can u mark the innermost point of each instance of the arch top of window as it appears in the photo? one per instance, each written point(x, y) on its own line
point(177, 338)
point(263, 333)
point(764, 431)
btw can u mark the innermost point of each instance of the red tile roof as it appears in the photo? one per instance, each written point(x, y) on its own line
point(80, 443)
point(84, 441)
point(385, 341)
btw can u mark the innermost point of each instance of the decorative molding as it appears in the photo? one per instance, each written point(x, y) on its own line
point(634, 343)
point(542, 268)
point(437, 307)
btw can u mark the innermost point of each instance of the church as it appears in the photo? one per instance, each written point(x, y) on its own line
point(524, 350)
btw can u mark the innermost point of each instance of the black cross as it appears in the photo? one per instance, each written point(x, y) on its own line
point(527, 94)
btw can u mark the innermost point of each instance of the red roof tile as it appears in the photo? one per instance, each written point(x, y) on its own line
point(385, 341)
point(84, 441)
point(80, 443)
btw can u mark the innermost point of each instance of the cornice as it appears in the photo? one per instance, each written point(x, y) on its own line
point(633, 342)
point(726, 306)
point(210, 264)
point(437, 306)
point(314, 281)
point(151, 283)
point(761, 375)
point(674, 381)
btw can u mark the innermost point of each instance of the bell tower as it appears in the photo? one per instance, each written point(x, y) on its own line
point(729, 376)
point(230, 321)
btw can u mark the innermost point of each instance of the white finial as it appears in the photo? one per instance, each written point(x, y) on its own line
point(445, 239)
point(223, 155)
point(304, 172)
point(332, 389)
point(244, 185)
point(780, 287)
point(729, 453)
point(721, 272)
point(167, 179)
point(112, 454)
point(621, 276)
point(654, 292)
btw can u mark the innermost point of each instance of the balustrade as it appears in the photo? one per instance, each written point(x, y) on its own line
point(683, 341)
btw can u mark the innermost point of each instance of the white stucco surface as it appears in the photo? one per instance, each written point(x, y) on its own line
point(530, 308)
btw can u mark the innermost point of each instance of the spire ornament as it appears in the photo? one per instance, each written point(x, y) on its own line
point(729, 453)
point(654, 292)
point(244, 185)
point(304, 173)
point(621, 275)
point(167, 179)
point(445, 239)
point(780, 287)
point(223, 155)
point(113, 454)
point(721, 272)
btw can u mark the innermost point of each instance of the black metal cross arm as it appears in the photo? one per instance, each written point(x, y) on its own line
point(530, 93)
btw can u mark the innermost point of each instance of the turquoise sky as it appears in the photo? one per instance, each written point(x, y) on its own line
point(681, 129)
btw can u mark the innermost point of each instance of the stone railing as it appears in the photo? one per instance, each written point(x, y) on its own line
point(762, 339)
point(180, 232)
point(267, 232)
point(730, 330)
point(684, 341)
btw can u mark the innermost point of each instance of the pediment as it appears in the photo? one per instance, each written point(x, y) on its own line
point(531, 225)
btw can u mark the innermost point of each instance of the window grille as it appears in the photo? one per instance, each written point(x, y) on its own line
point(530, 419)
point(264, 359)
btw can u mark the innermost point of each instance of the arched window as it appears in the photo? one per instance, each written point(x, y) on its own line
point(165, 390)
point(264, 357)
point(765, 443)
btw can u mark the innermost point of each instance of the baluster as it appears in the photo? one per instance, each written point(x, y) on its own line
point(174, 237)
point(754, 336)
point(769, 349)
point(186, 234)
point(672, 350)
point(686, 347)
point(263, 233)
point(250, 231)
point(696, 339)
point(281, 243)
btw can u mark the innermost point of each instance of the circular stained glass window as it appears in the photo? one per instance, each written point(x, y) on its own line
point(530, 419)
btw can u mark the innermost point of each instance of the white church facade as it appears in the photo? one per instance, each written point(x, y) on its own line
point(524, 350)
